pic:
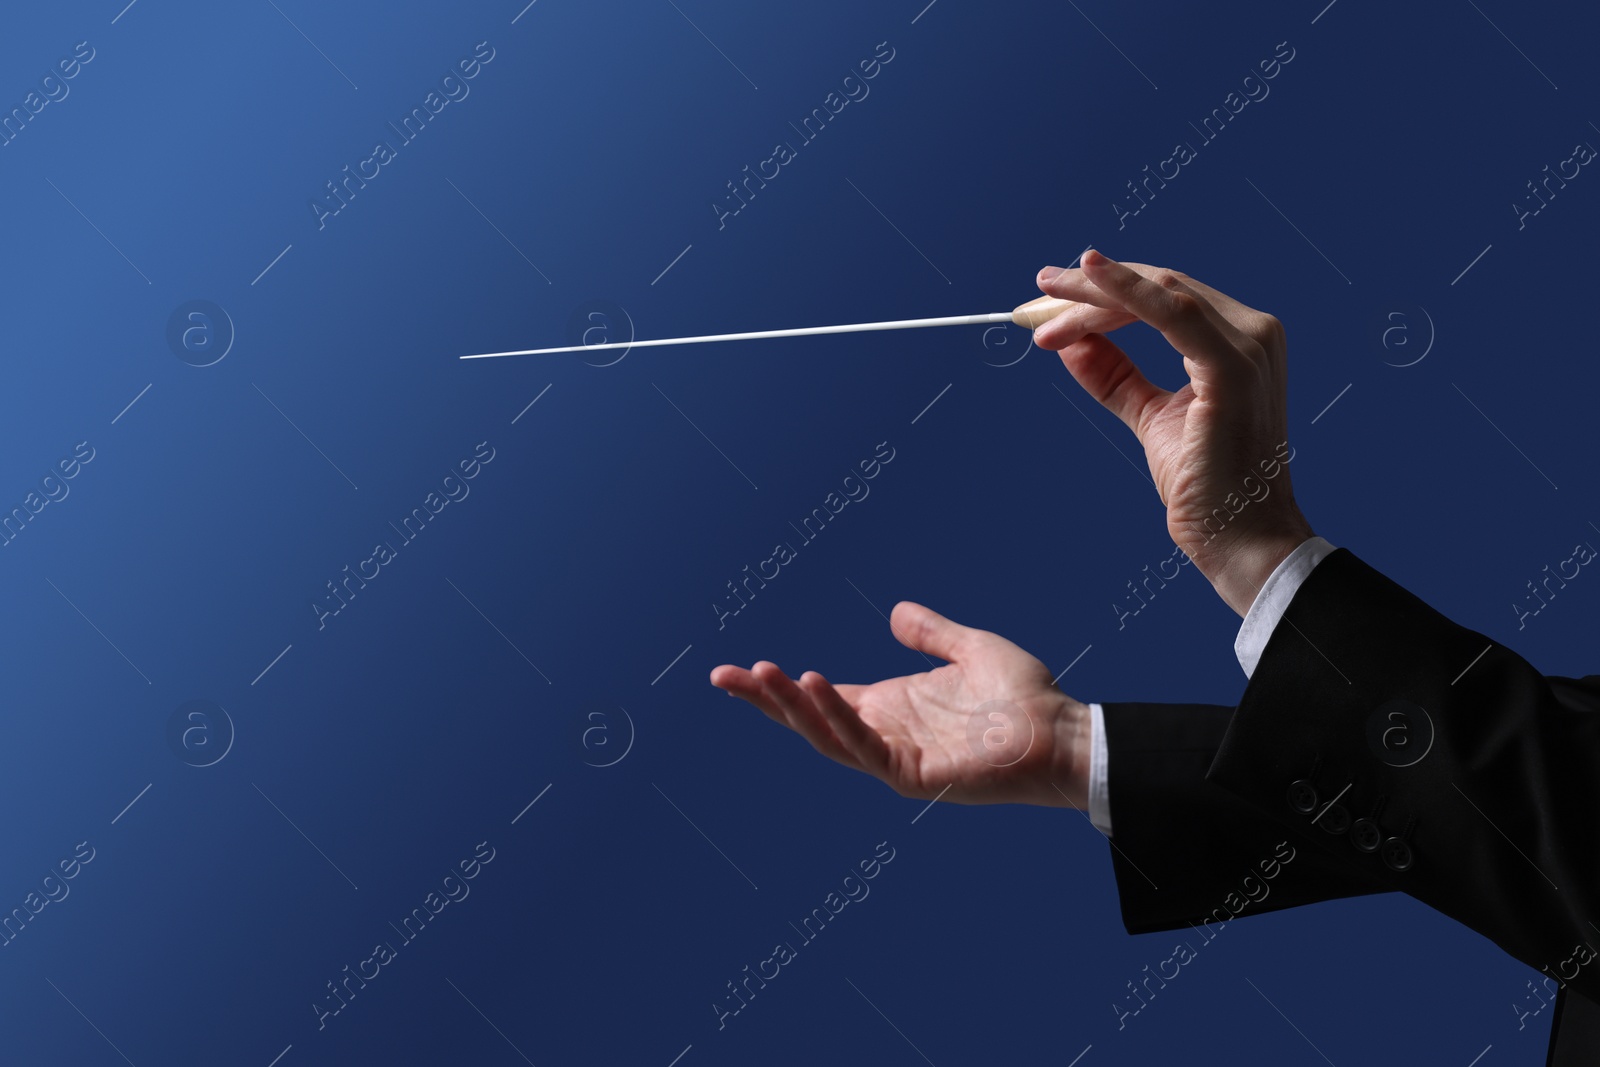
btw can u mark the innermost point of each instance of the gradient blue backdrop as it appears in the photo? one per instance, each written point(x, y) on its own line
point(471, 676)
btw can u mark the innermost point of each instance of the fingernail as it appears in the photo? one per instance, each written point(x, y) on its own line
point(1049, 273)
point(1097, 259)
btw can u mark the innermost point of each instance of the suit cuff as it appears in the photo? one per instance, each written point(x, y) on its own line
point(1099, 782)
point(1273, 600)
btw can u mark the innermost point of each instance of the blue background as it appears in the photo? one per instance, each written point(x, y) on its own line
point(471, 676)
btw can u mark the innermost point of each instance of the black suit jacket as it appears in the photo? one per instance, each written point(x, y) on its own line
point(1393, 757)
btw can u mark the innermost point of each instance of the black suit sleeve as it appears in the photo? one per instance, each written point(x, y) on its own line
point(1372, 720)
point(1186, 851)
point(1394, 751)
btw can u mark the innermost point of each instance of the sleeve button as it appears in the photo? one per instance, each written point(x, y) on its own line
point(1335, 820)
point(1397, 854)
point(1365, 835)
point(1303, 797)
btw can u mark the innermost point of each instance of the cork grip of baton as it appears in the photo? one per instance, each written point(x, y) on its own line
point(1035, 313)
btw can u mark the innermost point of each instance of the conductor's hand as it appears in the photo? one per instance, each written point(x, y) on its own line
point(1217, 447)
point(990, 726)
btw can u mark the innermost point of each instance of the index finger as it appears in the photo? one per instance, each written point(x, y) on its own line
point(1189, 322)
point(1233, 310)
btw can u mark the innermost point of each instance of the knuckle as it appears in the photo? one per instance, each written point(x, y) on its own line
point(1269, 331)
point(1185, 304)
point(1169, 279)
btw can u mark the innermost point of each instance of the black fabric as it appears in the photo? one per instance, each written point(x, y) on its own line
point(1184, 847)
point(1478, 779)
point(1575, 1033)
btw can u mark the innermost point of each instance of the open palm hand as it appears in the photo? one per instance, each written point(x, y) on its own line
point(990, 727)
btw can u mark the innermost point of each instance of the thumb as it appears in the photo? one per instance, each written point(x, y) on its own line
point(926, 630)
point(1107, 374)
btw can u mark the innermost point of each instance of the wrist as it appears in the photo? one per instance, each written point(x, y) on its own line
point(1239, 568)
point(1069, 770)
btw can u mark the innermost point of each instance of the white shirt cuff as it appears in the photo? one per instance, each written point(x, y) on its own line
point(1099, 787)
point(1273, 600)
